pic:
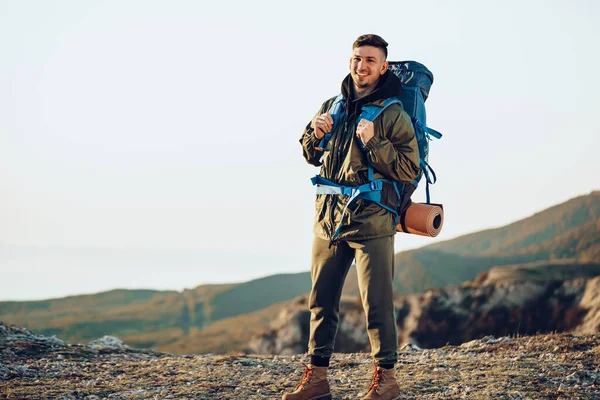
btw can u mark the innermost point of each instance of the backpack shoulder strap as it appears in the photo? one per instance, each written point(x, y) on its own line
point(371, 112)
point(337, 109)
point(337, 112)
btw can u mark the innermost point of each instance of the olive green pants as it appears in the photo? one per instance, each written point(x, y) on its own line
point(375, 270)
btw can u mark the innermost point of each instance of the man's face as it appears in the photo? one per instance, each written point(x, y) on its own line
point(367, 65)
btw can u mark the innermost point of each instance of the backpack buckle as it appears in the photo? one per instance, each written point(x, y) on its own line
point(376, 185)
point(347, 191)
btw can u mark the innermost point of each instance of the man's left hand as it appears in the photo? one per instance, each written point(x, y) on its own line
point(365, 130)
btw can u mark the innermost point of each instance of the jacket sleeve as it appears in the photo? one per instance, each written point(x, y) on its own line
point(395, 152)
point(309, 140)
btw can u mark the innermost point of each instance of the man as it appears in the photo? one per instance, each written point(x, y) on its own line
point(363, 231)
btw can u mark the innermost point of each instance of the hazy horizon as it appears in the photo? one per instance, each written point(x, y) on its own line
point(173, 129)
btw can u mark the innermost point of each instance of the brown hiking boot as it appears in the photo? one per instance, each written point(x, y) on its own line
point(313, 386)
point(383, 385)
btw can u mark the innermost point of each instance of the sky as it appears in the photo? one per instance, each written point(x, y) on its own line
point(154, 144)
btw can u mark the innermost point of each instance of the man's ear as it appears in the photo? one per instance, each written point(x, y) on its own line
point(384, 68)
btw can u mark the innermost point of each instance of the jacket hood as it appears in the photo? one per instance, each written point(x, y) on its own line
point(388, 85)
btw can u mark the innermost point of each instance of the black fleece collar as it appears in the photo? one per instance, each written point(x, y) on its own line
point(388, 85)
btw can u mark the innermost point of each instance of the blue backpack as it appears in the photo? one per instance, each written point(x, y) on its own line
point(416, 81)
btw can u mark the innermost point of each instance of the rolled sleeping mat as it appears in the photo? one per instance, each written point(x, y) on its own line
point(422, 219)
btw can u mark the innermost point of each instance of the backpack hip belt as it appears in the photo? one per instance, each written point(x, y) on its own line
point(369, 191)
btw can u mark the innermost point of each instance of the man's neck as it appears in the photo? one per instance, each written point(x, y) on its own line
point(359, 93)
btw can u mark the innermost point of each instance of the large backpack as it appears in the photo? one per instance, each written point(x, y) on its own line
point(416, 81)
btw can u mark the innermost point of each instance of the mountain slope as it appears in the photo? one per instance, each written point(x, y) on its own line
point(568, 231)
point(148, 318)
point(541, 227)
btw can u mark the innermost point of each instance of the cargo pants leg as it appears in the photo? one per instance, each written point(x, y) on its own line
point(375, 270)
point(329, 267)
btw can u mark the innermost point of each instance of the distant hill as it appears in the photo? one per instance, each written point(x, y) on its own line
point(569, 231)
point(150, 318)
point(176, 321)
point(543, 227)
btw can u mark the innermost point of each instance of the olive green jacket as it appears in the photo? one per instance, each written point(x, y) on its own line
point(392, 152)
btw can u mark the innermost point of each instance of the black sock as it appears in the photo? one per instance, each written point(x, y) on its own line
point(386, 366)
point(319, 361)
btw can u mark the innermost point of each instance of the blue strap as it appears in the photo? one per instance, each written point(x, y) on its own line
point(334, 188)
point(371, 112)
point(368, 191)
point(427, 170)
point(400, 191)
point(337, 112)
point(428, 131)
point(324, 141)
point(433, 132)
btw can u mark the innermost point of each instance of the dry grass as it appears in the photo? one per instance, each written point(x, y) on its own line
point(556, 366)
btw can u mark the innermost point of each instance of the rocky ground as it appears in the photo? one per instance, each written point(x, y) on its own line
point(556, 366)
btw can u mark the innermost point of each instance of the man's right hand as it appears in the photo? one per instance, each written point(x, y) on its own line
point(322, 124)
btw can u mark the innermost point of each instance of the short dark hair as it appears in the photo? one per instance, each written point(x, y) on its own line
point(371, 40)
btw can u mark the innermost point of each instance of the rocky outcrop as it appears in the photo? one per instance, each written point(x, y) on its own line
point(15, 334)
point(289, 332)
point(18, 344)
point(109, 342)
point(508, 301)
point(458, 314)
